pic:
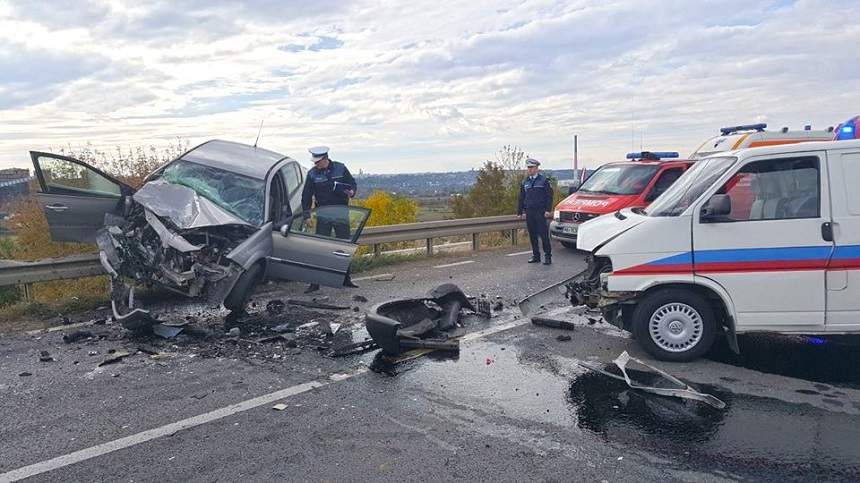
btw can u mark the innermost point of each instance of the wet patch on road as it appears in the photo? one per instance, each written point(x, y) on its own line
point(754, 436)
point(816, 359)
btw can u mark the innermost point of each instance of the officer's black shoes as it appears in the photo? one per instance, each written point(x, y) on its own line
point(547, 260)
point(312, 288)
point(534, 260)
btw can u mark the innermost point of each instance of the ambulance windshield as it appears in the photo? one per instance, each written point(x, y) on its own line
point(690, 186)
point(619, 179)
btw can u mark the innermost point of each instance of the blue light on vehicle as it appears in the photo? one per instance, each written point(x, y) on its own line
point(654, 155)
point(816, 340)
point(848, 129)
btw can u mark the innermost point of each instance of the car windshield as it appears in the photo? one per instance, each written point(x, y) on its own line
point(690, 186)
point(239, 195)
point(619, 179)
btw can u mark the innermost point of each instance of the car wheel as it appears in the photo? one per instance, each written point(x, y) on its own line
point(674, 324)
point(569, 245)
point(238, 297)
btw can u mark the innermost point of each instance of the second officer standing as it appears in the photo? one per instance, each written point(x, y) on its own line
point(536, 200)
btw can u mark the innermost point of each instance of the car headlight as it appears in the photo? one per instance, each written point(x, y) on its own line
point(556, 215)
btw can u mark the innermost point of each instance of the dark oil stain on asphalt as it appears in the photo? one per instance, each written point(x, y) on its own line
point(753, 436)
point(829, 360)
point(756, 438)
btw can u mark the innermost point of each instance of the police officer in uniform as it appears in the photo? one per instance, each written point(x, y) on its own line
point(328, 183)
point(536, 201)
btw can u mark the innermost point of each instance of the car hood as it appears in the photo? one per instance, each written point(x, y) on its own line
point(597, 232)
point(599, 204)
point(183, 206)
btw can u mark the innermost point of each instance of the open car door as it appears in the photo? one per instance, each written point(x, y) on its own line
point(318, 248)
point(75, 196)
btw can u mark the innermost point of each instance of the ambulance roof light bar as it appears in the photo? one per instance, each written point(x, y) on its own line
point(652, 155)
point(725, 131)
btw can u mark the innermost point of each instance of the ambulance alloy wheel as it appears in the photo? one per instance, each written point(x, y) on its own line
point(674, 324)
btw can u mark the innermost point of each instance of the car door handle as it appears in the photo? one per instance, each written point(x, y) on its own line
point(57, 207)
point(341, 254)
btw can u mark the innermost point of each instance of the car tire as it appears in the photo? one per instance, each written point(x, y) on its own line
point(569, 245)
point(244, 287)
point(674, 324)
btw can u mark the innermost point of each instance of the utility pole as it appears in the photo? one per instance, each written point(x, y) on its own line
point(575, 155)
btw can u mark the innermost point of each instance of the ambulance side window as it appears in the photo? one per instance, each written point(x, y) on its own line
point(775, 189)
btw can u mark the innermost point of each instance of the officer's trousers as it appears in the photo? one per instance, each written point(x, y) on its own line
point(538, 227)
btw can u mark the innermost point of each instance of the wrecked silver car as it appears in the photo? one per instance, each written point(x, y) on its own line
point(212, 223)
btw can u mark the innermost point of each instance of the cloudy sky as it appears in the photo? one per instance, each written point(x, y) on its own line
point(420, 85)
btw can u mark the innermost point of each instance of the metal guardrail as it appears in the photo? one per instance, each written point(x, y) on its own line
point(77, 266)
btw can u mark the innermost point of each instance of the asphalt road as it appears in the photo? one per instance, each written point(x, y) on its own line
point(514, 405)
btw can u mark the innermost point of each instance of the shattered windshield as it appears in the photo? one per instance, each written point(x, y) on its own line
point(690, 186)
point(239, 195)
point(619, 179)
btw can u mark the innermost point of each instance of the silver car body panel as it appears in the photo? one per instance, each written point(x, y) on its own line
point(183, 206)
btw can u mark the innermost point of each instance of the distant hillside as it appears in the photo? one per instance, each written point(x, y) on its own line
point(430, 184)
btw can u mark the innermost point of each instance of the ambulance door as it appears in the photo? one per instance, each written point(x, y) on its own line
point(843, 273)
point(771, 255)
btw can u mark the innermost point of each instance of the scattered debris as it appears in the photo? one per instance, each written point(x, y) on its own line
point(388, 278)
point(25, 374)
point(166, 331)
point(114, 358)
point(147, 350)
point(283, 328)
point(200, 395)
point(592, 321)
point(234, 332)
point(76, 336)
point(499, 306)
point(682, 389)
point(93, 353)
point(279, 407)
point(45, 356)
point(359, 298)
point(563, 338)
point(488, 361)
point(423, 323)
point(288, 339)
point(354, 348)
point(554, 323)
point(316, 305)
point(275, 307)
point(483, 307)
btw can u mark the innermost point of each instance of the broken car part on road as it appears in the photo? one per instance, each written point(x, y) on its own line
point(399, 325)
point(682, 389)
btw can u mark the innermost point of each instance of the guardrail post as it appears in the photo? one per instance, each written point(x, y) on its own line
point(514, 234)
point(376, 250)
point(429, 246)
point(476, 243)
point(27, 292)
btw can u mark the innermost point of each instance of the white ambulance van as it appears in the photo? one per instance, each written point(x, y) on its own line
point(732, 138)
point(699, 260)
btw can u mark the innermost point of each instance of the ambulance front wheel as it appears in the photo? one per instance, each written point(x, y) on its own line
point(674, 324)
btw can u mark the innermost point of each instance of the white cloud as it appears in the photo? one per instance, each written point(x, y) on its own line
point(420, 85)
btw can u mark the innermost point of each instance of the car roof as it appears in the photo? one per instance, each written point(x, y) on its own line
point(235, 157)
point(793, 148)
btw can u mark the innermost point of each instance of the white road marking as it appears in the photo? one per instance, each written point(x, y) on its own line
point(173, 428)
point(518, 253)
point(371, 277)
point(454, 264)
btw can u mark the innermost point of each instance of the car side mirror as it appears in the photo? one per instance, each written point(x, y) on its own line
point(716, 208)
point(285, 229)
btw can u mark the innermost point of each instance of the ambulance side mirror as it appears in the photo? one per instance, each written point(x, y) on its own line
point(716, 209)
